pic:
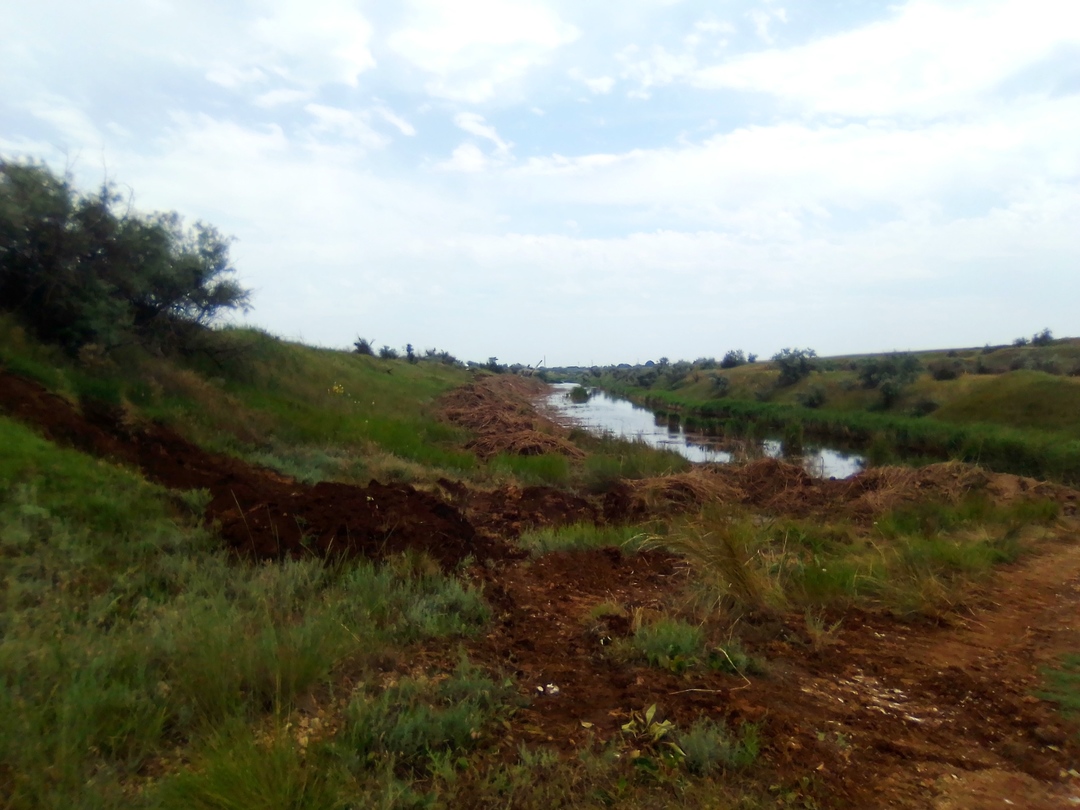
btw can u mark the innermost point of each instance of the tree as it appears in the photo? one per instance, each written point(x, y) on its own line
point(80, 268)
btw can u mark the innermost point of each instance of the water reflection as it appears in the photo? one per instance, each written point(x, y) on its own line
point(604, 413)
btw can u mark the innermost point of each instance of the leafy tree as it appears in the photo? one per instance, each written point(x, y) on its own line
point(794, 364)
point(733, 358)
point(80, 268)
point(1043, 338)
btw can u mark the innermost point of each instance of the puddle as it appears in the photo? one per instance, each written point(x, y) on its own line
point(604, 413)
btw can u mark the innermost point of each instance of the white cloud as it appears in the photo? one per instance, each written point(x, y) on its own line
point(927, 59)
point(762, 18)
point(600, 85)
point(656, 68)
point(403, 126)
point(476, 125)
point(317, 40)
point(280, 97)
point(474, 48)
point(67, 119)
point(466, 158)
point(346, 123)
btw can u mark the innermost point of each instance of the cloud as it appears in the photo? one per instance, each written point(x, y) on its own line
point(475, 125)
point(600, 85)
point(317, 41)
point(467, 158)
point(348, 124)
point(927, 59)
point(403, 126)
point(473, 49)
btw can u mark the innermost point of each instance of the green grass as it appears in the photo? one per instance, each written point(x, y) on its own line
point(611, 459)
point(549, 469)
point(580, 537)
point(669, 643)
point(125, 632)
point(1062, 685)
point(411, 723)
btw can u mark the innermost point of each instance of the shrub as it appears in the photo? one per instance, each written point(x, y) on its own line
point(579, 394)
point(721, 385)
point(363, 346)
point(945, 371)
point(794, 364)
point(813, 397)
point(1043, 338)
point(733, 358)
point(386, 353)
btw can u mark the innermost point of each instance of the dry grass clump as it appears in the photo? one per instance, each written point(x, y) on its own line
point(724, 552)
point(499, 411)
point(681, 492)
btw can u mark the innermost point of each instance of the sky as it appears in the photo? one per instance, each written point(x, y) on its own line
point(547, 181)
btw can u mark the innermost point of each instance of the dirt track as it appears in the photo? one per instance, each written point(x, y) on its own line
point(891, 715)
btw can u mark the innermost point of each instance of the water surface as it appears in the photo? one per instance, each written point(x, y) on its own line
point(604, 413)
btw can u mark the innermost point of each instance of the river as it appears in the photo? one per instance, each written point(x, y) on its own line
point(604, 413)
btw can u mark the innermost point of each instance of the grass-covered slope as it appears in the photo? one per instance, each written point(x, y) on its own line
point(1012, 409)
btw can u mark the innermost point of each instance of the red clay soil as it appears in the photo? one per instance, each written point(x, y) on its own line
point(510, 510)
point(260, 512)
point(886, 715)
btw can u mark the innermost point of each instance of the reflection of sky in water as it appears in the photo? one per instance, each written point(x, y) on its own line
point(604, 413)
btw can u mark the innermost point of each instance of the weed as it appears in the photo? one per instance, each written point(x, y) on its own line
point(580, 537)
point(235, 771)
point(412, 720)
point(548, 468)
point(669, 643)
point(1063, 684)
point(723, 550)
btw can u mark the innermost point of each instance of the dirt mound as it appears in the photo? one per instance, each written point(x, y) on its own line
point(260, 512)
point(499, 410)
point(780, 488)
point(680, 492)
point(510, 510)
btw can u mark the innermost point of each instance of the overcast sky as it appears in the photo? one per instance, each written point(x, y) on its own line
point(588, 182)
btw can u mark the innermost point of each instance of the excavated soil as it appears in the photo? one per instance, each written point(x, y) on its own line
point(260, 512)
point(499, 411)
point(885, 715)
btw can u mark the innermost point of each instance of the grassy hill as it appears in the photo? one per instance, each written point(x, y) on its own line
point(1013, 408)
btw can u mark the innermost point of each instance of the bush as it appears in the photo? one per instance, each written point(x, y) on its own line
point(813, 397)
point(386, 353)
point(794, 364)
point(720, 385)
point(79, 269)
point(1043, 338)
point(942, 371)
point(363, 346)
point(733, 358)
